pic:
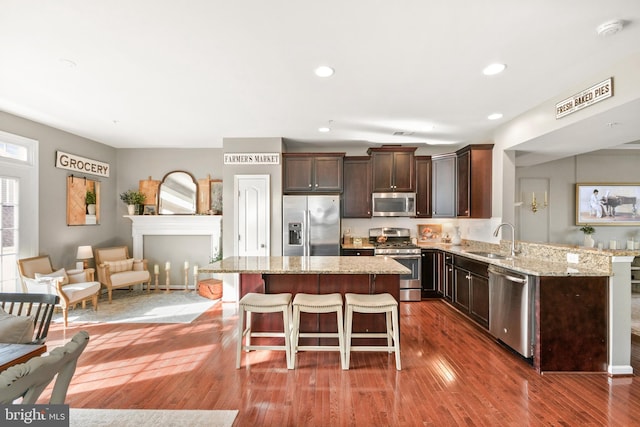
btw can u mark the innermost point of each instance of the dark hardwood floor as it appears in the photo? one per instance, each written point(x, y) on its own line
point(452, 374)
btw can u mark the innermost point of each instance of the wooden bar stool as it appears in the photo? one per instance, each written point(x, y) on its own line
point(322, 303)
point(375, 303)
point(264, 303)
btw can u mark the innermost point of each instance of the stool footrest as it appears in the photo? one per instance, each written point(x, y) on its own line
point(318, 335)
point(319, 348)
point(373, 348)
point(372, 335)
point(264, 347)
point(267, 334)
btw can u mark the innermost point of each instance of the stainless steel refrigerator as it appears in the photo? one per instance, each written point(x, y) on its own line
point(310, 225)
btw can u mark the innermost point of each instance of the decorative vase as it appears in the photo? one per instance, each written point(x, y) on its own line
point(91, 209)
point(588, 241)
point(131, 209)
point(457, 238)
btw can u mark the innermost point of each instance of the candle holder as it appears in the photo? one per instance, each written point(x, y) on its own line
point(535, 205)
point(195, 280)
point(167, 280)
point(155, 288)
point(186, 279)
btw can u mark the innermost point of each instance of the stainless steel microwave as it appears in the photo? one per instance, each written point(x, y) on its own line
point(394, 204)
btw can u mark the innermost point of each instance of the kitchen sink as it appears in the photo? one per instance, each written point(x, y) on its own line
point(488, 254)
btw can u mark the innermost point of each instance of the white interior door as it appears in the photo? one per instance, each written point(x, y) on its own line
point(253, 213)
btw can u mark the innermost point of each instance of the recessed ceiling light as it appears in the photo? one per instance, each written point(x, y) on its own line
point(495, 116)
point(493, 69)
point(324, 71)
point(324, 129)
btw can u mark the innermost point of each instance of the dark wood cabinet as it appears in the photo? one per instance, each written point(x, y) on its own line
point(393, 168)
point(356, 252)
point(479, 306)
point(423, 186)
point(443, 186)
point(461, 289)
point(440, 273)
point(312, 172)
point(448, 277)
point(429, 276)
point(471, 289)
point(571, 324)
point(356, 200)
point(473, 175)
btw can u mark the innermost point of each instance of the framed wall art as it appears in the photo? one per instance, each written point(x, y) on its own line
point(607, 204)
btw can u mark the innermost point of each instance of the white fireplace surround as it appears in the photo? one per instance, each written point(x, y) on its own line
point(175, 225)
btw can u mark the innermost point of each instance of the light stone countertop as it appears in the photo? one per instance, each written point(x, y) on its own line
point(541, 262)
point(306, 265)
point(538, 260)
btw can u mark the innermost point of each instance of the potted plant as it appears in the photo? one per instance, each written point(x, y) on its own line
point(90, 201)
point(588, 230)
point(133, 200)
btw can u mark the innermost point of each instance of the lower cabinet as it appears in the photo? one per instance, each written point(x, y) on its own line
point(448, 277)
point(471, 289)
point(429, 273)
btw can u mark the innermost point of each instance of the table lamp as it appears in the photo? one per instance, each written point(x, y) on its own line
point(85, 253)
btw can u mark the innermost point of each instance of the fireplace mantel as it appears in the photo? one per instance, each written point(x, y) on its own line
point(175, 225)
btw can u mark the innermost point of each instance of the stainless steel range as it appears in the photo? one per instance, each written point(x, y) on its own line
point(396, 243)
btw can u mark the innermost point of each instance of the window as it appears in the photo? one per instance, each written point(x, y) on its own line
point(18, 206)
point(9, 189)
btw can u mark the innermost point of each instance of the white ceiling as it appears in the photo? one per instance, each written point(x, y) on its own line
point(160, 73)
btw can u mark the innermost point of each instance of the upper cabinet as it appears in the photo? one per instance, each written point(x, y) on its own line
point(443, 186)
point(393, 168)
point(312, 172)
point(474, 169)
point(356, 198)
point(423, 186)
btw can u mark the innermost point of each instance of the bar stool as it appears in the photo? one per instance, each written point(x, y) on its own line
point(322, 303)
point(264, 303)
point(375, 303)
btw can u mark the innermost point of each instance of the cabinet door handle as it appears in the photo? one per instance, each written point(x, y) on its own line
point(316, 185)
point(310, 185)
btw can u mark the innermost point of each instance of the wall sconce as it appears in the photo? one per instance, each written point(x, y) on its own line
point(535, 206)
point(85, 253)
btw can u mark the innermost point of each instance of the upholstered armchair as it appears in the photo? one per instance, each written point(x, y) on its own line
point(39, 277)
point(117, 270)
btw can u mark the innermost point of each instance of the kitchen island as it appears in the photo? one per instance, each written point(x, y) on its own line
point(315, 275)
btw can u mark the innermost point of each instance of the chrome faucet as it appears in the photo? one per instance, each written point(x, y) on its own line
point(513, 236)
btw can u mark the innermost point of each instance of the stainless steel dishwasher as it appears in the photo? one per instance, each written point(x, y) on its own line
point(511, 296)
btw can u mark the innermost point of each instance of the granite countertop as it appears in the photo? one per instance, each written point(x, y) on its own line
point(528, 264)
point(306, 265)
point(537, 261)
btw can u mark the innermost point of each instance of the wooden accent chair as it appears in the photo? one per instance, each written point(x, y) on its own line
point(117, 270)
point(37, 306)
point(39, 277)
point(28, 380)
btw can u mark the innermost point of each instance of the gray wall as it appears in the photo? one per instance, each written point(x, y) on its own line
point(56, 238)
point(252, 145)
point(140, 164)
point(605, 166)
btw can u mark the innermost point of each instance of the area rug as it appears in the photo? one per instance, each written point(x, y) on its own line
point(150, 417)
point(142, 307)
